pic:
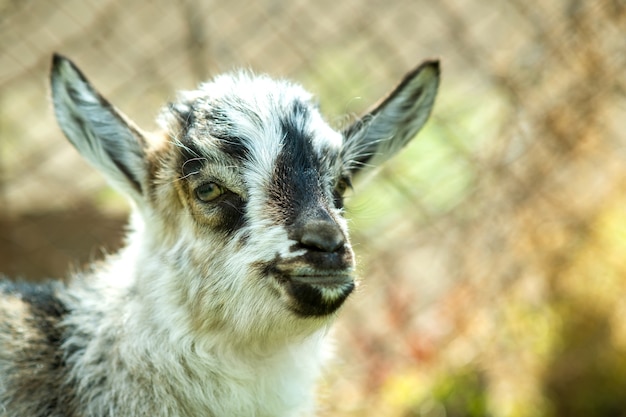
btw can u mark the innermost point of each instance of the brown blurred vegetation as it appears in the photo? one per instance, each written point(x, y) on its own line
point(493, 251)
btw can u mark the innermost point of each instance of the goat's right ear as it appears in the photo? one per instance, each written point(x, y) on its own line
point(100, 133)
point(390, 125)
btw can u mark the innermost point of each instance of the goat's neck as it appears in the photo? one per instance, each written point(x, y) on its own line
point(152, 338)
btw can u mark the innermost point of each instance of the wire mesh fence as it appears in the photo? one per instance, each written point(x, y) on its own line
point(493, 250)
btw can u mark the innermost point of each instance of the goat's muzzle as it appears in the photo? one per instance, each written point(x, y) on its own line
point(318, 278)
point(316, 283)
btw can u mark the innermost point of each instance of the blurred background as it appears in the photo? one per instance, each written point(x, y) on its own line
point(492, 251)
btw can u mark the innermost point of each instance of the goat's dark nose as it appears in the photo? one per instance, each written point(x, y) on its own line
point(322, 233)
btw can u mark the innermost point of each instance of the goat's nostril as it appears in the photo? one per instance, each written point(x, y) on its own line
point(323, 236)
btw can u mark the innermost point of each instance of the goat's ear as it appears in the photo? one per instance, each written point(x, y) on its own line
point(383, 131)
point(103, 135)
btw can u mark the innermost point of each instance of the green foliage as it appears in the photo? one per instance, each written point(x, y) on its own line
point(462, 394)
point(453, 393)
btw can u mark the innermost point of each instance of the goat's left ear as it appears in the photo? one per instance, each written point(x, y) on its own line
point(386, 129)
point(102, 134)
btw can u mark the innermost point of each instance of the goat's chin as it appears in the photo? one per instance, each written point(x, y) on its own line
point(311, 296)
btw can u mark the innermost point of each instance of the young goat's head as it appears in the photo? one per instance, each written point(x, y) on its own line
point(241, 195)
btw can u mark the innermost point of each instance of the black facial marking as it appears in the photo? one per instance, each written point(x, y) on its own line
point(186, 137)
point(310, 301)
point(232, 146)
point(233, 213)
point(212, 125)
point(295, 182)
point(191, 159)
point(192, 166)
point(220, 127)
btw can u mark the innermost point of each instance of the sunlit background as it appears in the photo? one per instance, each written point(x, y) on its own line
point(492, 251)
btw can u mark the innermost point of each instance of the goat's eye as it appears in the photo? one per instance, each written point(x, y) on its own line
point(342, 185)
point(209, 191)
point(341, 188)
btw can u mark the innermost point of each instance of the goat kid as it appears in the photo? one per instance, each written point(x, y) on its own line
point(236, 261)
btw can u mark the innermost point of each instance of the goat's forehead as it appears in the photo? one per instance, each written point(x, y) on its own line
point(253, 119)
